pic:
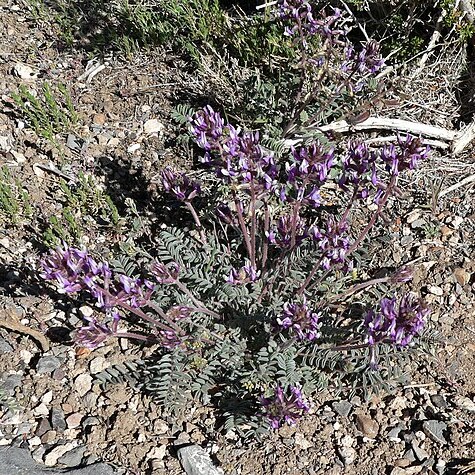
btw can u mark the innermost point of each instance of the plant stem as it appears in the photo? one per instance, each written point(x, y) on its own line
point(243, 227)
point(265, 241)
point(253, 224)
point(197, 221)
point(195, 301)
point(375, 216)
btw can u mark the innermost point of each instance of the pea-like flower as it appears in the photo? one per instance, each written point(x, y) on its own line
point(94, 334)
point(299, 319)
point(244, 275)
point(411, 152)
point(398, 322)
point(180, 185)
point(165, 273)
point(333, 242)
point(283, 407)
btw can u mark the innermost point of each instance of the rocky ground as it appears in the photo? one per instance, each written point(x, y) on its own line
point(57, 407)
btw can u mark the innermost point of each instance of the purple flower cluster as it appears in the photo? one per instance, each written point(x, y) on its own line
point(94, 334)
point(165, 273)
point(281, 235)
point(306, 174)
point(171, 338)
point(282, 407)
point(299, 319)
point(236, 157)
point(398, 322)
point(180, 185)
point(359, 169)
point(244, 275)
point(75, 270)
point(406, 156)
point(333, 242)
point(300, 12)
point(367, 61)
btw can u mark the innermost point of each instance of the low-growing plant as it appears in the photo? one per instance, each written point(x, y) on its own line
point(255, 302)
point(14, 199)
point(83, 203)
point(49, 112)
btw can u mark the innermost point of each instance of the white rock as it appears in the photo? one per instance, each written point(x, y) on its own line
point(83, 384)
point(465, 403)
point(24, 71)
point(26, 356)
point(347, 454)
point(133, 148)
point(19, 157)
point(435, 290)
point(47, 397)
point(152, 126)
point(86, 311)
point(157, 453)
point(98, 364)
point(301, 441)
point(34, 441)
point(41, 410)
point(52, 457)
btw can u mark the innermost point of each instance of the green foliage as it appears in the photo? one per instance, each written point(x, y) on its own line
point(14, 199)
point(82, 204)
point(455, 18)
point(49, 112)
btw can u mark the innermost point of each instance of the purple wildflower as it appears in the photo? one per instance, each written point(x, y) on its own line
point(398, 322)
point(333, 242)
point(403, 274)
point(180, 185)
point(169, 339)
point(411, 151)
point(92, 335)
point(244, 275)
point(282, 408)
point(165, 273)
point(281, 235)
point(207, 128)
point(359, 168)
point(367, 61)
point(299, 319)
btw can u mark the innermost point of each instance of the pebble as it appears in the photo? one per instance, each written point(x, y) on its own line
point(302, 442)
point(419, 452)
point(73, 458)
point(347, 455)
point(5, 347)
point(48, 437)
point(99, 119)
point(47, 397)
point(435, 290)
point(152, 126)
point(43, 427)
point(86, 311)
point(83, 384)
point(12, 382)
point(157, 453)
point(133, 147)
point(98, 364)
point(465, 403)
point(47, 364)
point(435, 430)
point(461, 276)
point(367, 426)
point(90, 421)
point(343, 408)
point(196, 461)
point(74, 420)
point(52, 457)
point(438, 401)
point(57, 419)
point(41, 410)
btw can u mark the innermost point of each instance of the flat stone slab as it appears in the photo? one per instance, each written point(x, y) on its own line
point(16, 461)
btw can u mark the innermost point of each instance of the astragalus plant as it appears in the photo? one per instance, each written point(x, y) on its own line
point(250, 304)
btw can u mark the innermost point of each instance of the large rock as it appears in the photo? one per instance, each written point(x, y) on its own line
point(196, 461)
point(15, 461)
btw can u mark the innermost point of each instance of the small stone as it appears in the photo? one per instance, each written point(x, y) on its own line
point(43, 427)
point(435, 290)
point(435, 430)
point(57, 419)
point(86, 311)
point(90, 421)
point(196, 461)
point(465, 403)
point(438, 401)
point(133, 147)
point(26, 356)
point(48, 437)
point(11, 383)
point(457, 221)
point(461, 276)
point(52, 457)
point(393, 434)
point(347, 455)
point(302, 442)
point(413, 216)
point(24, 71)
point(74, 420)
point(5, 347)
point(343, 408)
point(41, 410)
point(99, 119)
point(47, 364)
point(24, 428)
point(83, 384)
point(367, 426)
point(98, 364)
point(47, 397)
point(34, 441)
point(157, 453)
point(419, 452)
point(73, 458)
point(152, 126)
point(402, 462)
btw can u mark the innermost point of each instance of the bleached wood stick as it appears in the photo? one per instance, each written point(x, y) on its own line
point(393, 138)
point(461, 183)
point(464, 137)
